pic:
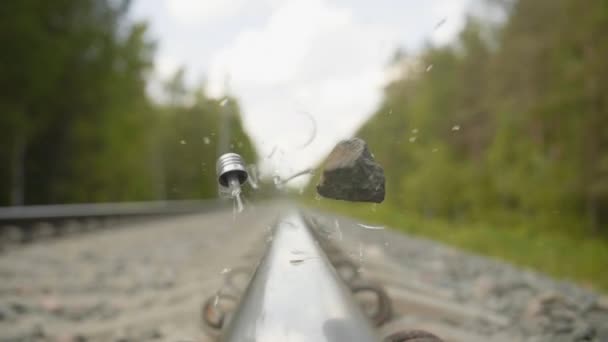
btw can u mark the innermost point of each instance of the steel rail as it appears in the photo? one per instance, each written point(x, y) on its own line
point(60, 211)
point(296, 294)
point(25, 224)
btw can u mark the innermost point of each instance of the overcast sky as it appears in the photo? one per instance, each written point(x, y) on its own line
point(290, 62)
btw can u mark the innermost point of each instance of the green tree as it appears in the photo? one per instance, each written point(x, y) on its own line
point(509, 124)
point(76, 123)
point(193, 138)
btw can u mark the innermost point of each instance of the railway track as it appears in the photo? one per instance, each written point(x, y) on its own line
point(146, 278)
point(20, 225)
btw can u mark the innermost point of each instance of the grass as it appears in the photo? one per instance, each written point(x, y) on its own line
point(574, 257)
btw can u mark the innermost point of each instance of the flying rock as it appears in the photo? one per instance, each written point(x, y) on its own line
point(350, 173)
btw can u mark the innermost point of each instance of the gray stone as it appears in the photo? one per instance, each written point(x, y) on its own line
point(351, 174)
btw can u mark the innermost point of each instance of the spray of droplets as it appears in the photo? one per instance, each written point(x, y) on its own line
point(365, 226)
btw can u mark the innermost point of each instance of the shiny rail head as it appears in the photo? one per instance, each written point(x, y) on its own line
point(231, 165)
point(295, 294)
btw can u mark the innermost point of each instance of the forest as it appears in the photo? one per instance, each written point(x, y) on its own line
point(77, 123)
point(510, 123)
point(498, 142)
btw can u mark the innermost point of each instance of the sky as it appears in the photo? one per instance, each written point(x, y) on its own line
point(306, 73)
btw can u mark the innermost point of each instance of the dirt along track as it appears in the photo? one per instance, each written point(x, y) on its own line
point(147, 280)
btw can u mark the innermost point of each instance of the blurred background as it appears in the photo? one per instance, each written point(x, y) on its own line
point(490, 117)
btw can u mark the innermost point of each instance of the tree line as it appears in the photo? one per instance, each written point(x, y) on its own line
point(507, 125)
point(75, 120)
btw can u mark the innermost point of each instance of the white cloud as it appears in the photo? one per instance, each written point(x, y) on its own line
point(273, 54)
point(197, 12)
point(285, 57)
point(311, 57)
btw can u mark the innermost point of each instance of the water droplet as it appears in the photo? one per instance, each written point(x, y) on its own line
point(234, 189)
point(216, 300)
point(415, 131)
point(412, 139)
point(429, 68)
point(239, 203)
point(370, 227)
point(276, 180)
point(226, 270)
point(456, 128)
point(360, 253)
point(435, 150)
point(206, 140)
point(390, 111)
point(440, 23)
point(337, 225)
point(223, 101)
point(183, 142)
point(274, 149)
point(297, 174)
point(313, 129)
